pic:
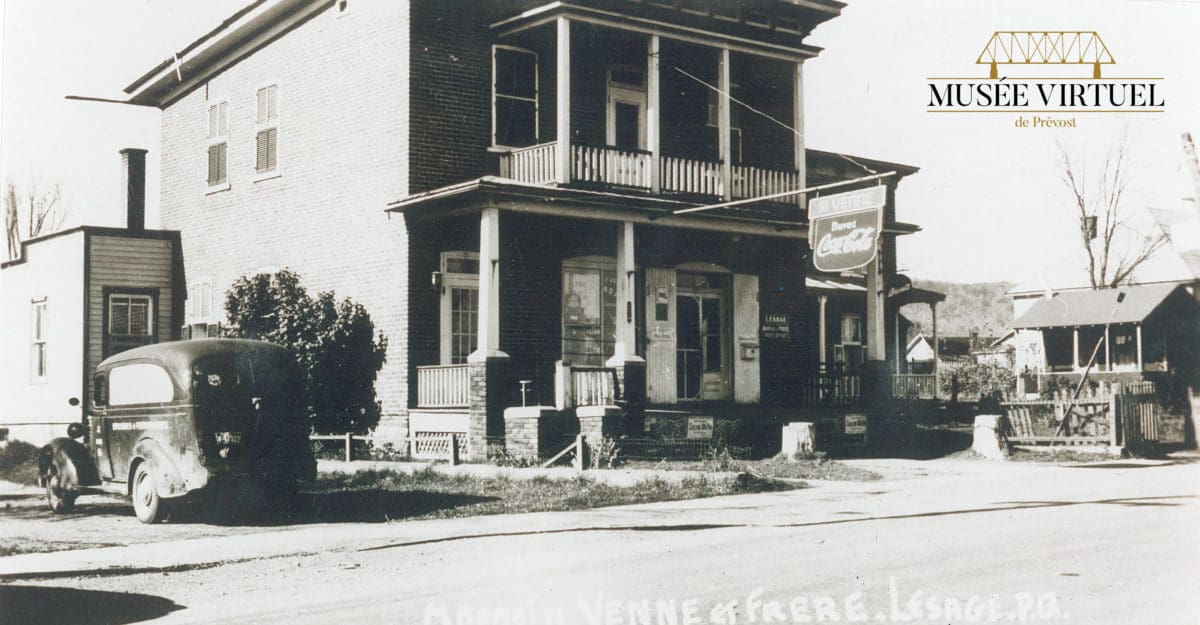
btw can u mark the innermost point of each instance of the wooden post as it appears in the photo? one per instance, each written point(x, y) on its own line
point(1113, 404)
point(723, 125)
point(876, 347)
point(1108, 363)
point(581, 452)
point(563, 101)
point(488, 328)
point(800, 156)
point(653, 112)
point(937, 387)
point(625, 346)
point(1075, 349)
point(821, 356)
point(453, 448)
point(1138, 329)
point(349, 447)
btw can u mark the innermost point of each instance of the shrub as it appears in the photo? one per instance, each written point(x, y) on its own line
point(334, 341)
point(980, 379)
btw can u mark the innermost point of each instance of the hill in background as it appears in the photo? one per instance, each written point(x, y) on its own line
point(981, 306)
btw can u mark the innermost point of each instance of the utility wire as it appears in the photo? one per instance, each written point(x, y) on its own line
point(795, 132)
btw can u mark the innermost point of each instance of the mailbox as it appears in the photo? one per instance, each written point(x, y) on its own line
point(749, 350)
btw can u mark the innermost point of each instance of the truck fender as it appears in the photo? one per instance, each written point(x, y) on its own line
point(168, 480)
point(70, 461)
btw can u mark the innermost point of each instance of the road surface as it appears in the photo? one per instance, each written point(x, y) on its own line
point(940, 542)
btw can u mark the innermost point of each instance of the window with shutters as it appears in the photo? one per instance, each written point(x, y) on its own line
point(514, 97)
point(218, 145)
point(266, 135)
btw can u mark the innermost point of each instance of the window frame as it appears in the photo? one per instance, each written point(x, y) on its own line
point(537, 89)
point(214, 140)
point(452, 281)
point(152, 316)
point(39, 367)
point(600, 265)
point(267, 125)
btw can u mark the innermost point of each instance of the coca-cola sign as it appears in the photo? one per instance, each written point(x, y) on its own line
point(844, 230)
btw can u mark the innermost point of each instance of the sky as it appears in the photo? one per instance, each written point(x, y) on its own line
point(987, 196)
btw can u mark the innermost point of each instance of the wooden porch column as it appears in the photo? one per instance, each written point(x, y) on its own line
point(625, 348)
point(723, 125)
point(1075, 349)
point(821, 301)
point(562, 110)
point(653, 97)
point(1138, 328)
point(896, 341)
point(936, 382)
point(876, 345)
point(1108, 364)
point(801, 159)
point(488, 328)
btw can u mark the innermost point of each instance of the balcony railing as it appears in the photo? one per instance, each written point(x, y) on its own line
point(604, 165)
point(914, 385)
point(830, 389)
point(442, 386)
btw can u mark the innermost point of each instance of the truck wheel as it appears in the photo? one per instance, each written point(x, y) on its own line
point(146, 503)
point(62, 501)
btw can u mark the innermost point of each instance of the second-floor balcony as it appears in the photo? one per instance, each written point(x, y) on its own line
point(642, 170)
point(580, 103)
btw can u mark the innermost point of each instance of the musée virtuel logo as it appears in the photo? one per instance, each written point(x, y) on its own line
point(1013, 94)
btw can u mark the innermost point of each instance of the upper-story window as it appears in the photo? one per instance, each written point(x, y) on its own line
point(218, 143)
point(266, 136)
point(38, 351)
point(514, 96)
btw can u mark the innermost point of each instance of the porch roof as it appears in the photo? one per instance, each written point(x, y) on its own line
point(1129, 304)
point(496, 192)
point(829, 285)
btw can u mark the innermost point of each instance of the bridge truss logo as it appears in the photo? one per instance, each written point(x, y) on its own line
point(1010, 55)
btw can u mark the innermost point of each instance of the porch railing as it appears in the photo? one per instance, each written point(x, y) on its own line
point(610, 166)
point(754, 182)
point(682, 175)
point(442, 386)
point(538, 164)
point(830, 389)
point(594, 386)
point(914, 385)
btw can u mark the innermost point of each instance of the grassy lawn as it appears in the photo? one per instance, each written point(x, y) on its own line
point(429, 494)
point(815, 468)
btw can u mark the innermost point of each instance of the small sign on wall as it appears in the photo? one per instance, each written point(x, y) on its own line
point(856, 424)
point(700, 427)
point(776, 327)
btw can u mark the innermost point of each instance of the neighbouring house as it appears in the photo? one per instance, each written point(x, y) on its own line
point(520, 194)
point(71, 299)
point(1143, 332)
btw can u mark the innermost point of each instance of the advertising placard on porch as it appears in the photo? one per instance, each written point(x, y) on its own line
point(844, 228)
point(856, 424)
point(700, 427)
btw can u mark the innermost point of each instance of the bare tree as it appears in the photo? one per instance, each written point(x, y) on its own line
point(43, 213)
point(1114, 247)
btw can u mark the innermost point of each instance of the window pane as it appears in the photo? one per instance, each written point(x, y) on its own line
point(1060, 346)
point(1123, 343)
point(118, 316)
point(39, 360)
point(516, 122)
point(139, 322)
point(462, 265)
point(139, 383)
point(516, 73)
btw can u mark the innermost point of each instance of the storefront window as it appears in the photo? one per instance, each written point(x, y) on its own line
point(589, 312)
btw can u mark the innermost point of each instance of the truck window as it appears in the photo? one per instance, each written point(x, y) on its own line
point(139, 383)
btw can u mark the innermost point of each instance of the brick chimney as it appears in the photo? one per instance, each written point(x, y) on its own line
point(133, 176)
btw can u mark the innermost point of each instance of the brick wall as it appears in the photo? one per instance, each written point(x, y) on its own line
point(450, 100)
point(342, 150)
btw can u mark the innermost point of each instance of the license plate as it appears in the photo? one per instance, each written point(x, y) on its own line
point(229, 438)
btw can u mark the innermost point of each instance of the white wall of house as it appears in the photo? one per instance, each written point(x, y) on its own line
point(35, 408)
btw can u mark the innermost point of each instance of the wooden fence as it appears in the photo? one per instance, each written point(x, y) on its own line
point(1106, 415)
point(914, 385)
point(449, 446)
